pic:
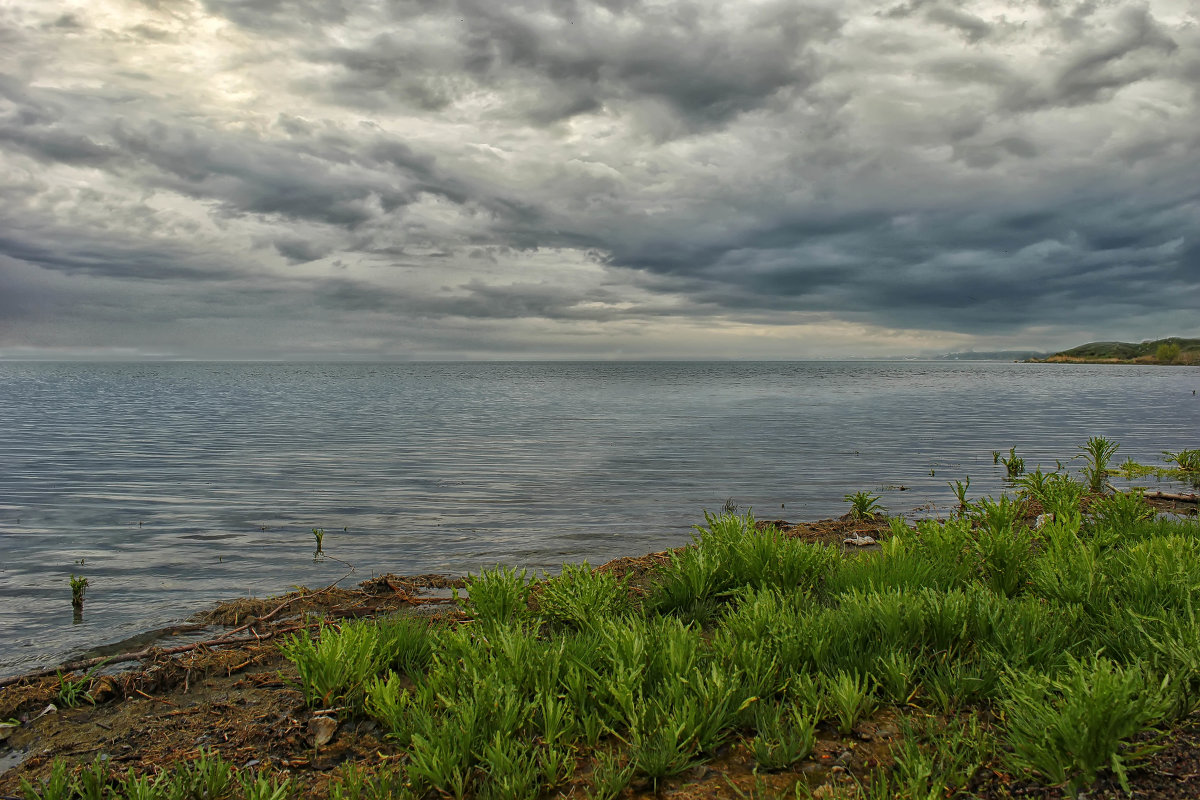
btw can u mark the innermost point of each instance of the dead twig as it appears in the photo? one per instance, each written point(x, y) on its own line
point(285, 604)
point(1178, 498)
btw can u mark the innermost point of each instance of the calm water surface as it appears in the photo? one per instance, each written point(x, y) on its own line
point(173, 485)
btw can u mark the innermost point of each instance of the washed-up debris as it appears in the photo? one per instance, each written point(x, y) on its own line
point(322, 729)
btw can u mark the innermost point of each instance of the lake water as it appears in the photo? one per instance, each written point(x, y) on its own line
point(173, 485)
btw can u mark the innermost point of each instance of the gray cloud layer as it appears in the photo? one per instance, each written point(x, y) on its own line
point(596, 177)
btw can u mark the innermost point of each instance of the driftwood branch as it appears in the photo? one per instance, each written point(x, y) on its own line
point(1178, 498)
point(283, 605)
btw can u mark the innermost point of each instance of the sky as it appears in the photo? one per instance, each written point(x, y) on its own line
point(477, 179)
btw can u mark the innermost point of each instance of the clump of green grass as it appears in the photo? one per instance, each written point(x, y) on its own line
point(1097, 451)
point(334, 665)
point(730, 554)
point(1069, 727)
point(960, 489)
point(1184, 460)
point(580, 596)
point(1061, 494)
point(936, 760)
point(498, 595)
point(850, 698)
point(784, 735)
point(74, 692)
point(863, 505)
point(610, 776)
point(79, 585)
point(1014, 465)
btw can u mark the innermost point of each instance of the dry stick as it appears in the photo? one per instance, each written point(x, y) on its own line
point(286, 603)
point(1179, 498)
point(140, 654)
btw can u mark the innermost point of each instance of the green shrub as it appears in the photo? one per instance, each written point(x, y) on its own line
point(1166, 353)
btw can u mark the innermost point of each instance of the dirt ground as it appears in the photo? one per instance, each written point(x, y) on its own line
point(233, 695)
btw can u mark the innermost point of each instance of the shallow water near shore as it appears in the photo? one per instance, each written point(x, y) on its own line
point(174, 485)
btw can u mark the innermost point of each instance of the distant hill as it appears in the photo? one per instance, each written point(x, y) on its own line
point(1172, 350)
point(993, 355)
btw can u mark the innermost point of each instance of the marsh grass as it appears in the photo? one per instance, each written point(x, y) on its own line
point(1014, 465)
point(498, 595)
point(785, 735)
point(1184, 460)
point(335, 665)
point(1056, 653)
point(850, 699)
point(1097, 452)
point(960, 489)
point(1067, 728)
point(610, 776)
point(74, 692)
point(79, 585)
point(732, 553)
point(863, 505)
point(580, 596)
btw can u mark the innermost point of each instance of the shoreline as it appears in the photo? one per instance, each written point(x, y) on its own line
point(233, 694)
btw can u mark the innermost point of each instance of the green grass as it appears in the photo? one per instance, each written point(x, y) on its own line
point(1014, 465)
point(1054, 655)
point(1097, 451)
point(1184, 460)
point(863, 505)
point(79, 585)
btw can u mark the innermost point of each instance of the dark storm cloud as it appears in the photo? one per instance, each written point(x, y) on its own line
point(109, 256)
point(575, 58)
point(966, 167)
point(299, 251)
point(273, 15)
point(476, 300)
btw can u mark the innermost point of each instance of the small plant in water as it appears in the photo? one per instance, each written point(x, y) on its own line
point(960, 491)
point(1098, 451)
point(319, 536)
point(79, 585)
point(863, 505)
point(1185, 460)
point(1014, 465)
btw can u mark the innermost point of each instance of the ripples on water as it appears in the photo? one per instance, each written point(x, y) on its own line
point(178, 484)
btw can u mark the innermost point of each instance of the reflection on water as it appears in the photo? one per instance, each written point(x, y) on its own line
point(180, 484)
